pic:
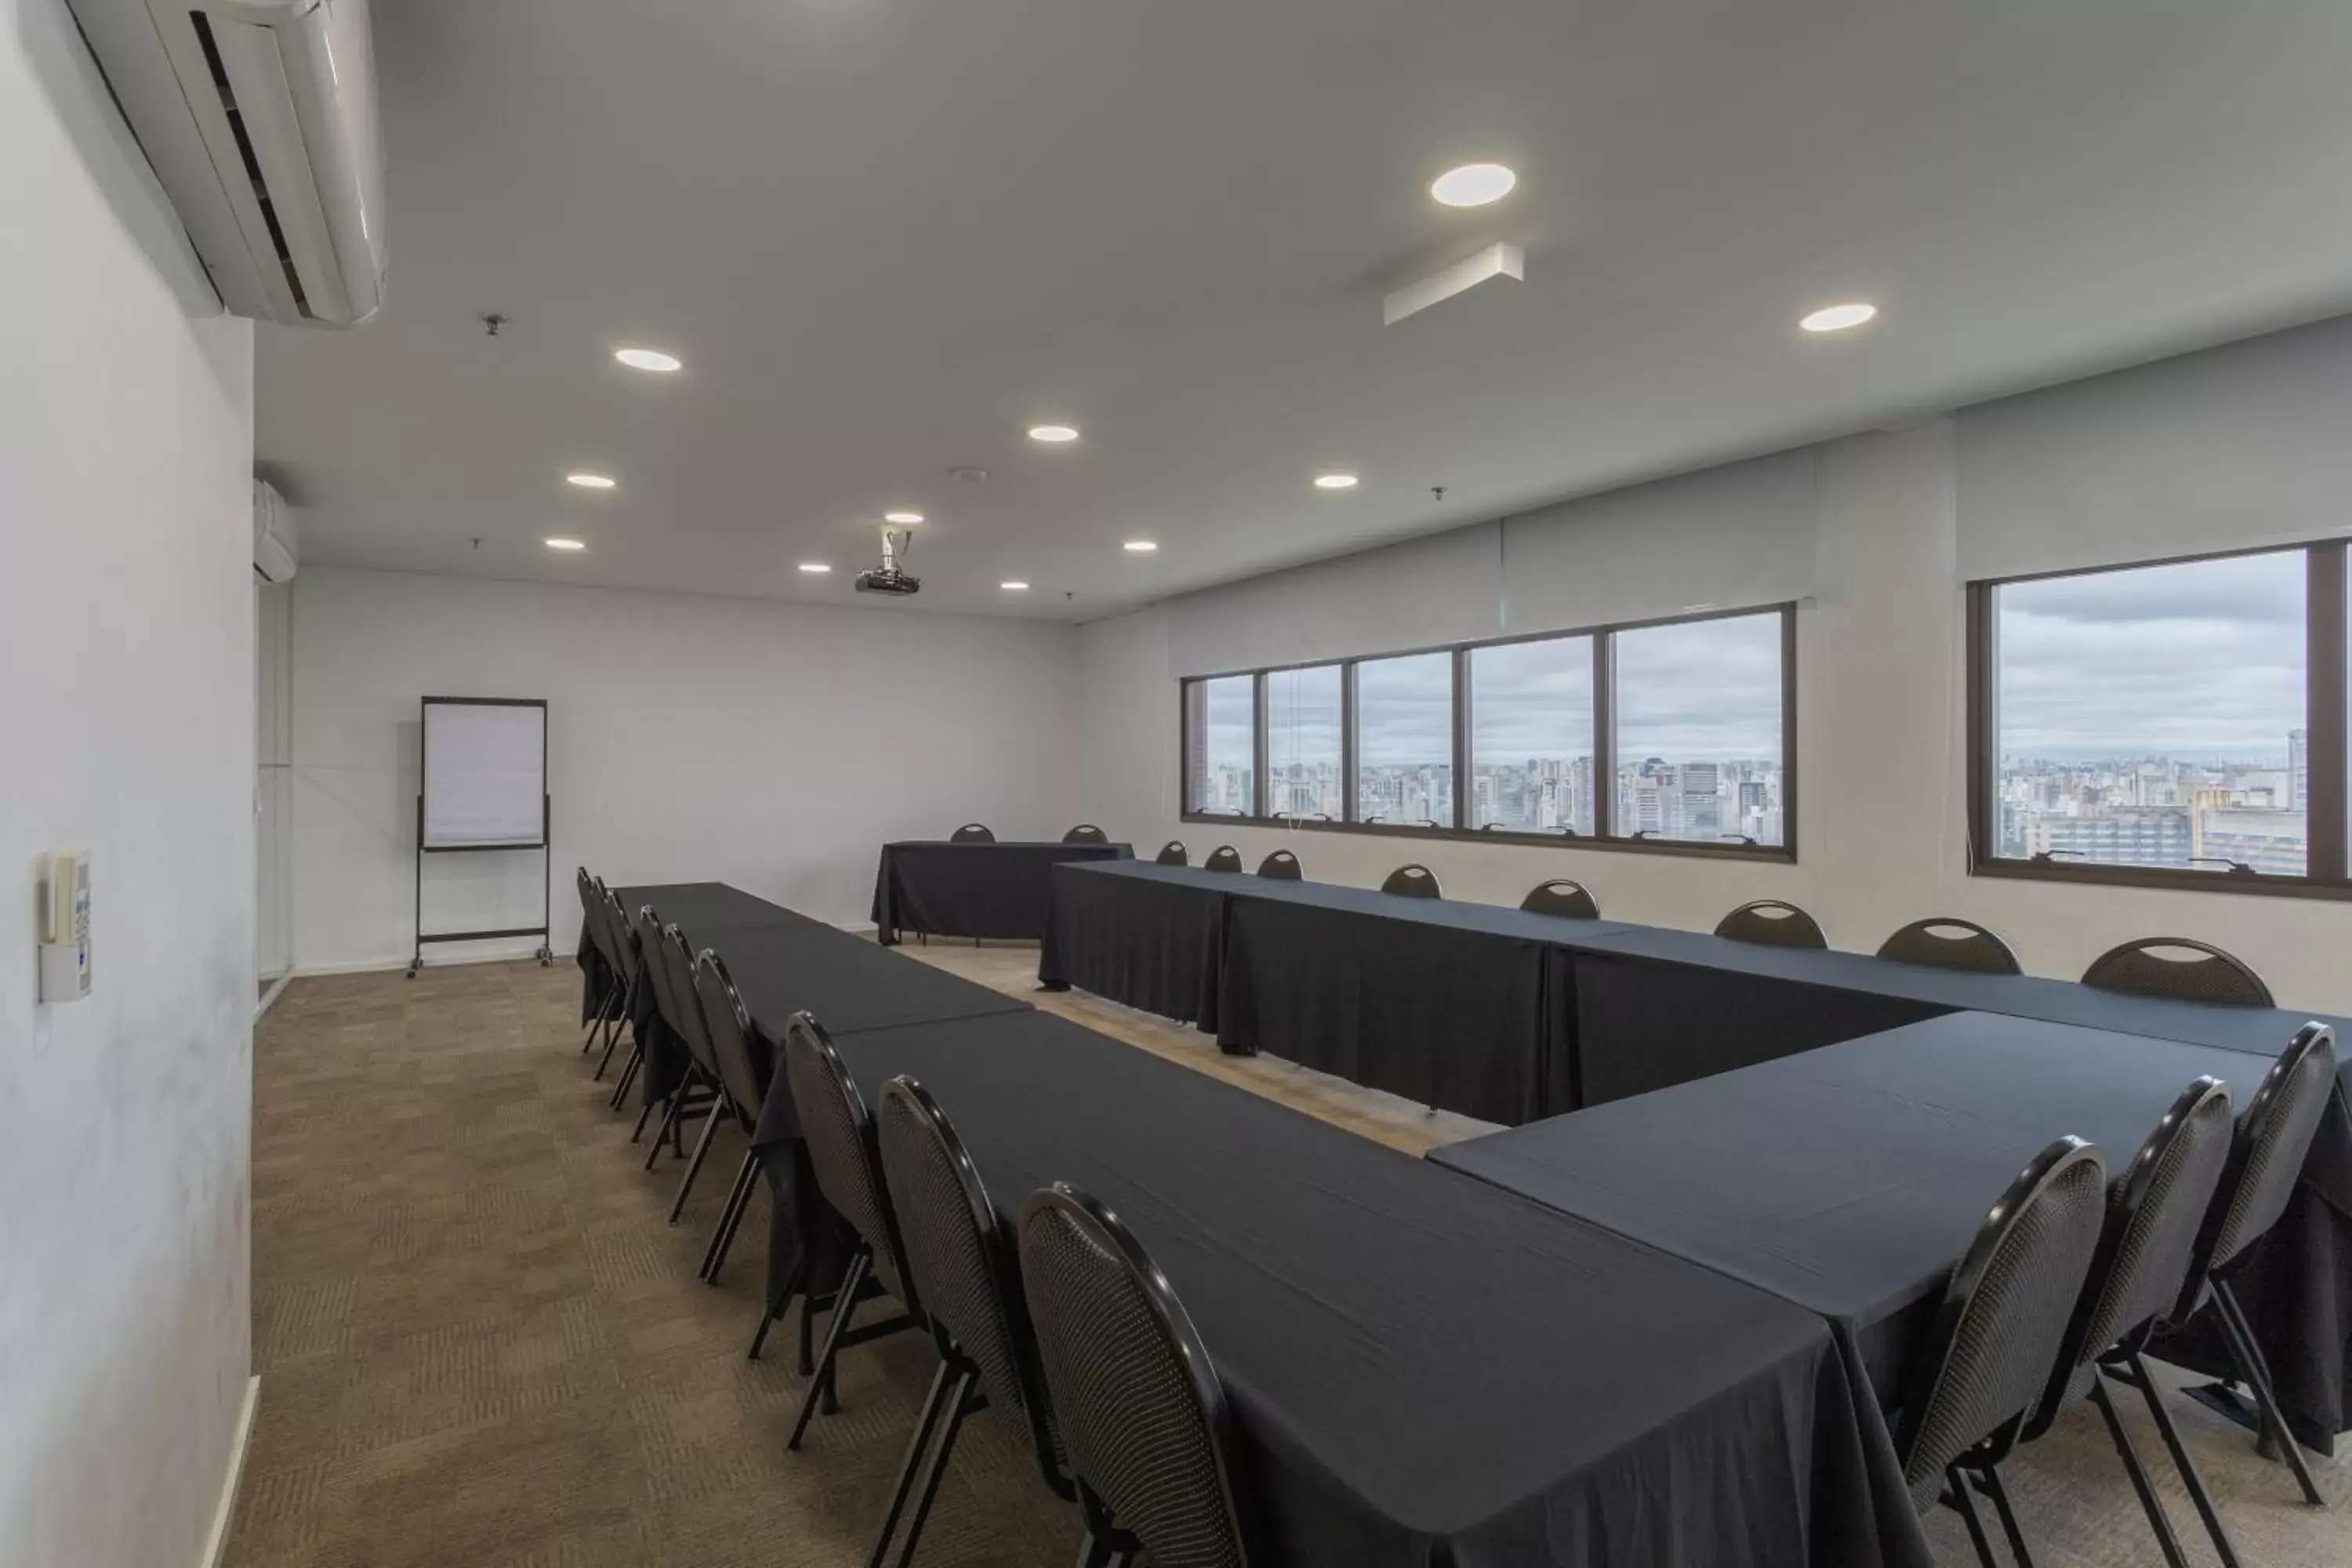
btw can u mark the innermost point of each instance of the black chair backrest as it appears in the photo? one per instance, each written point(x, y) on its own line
point(2148, 1240)
point(1173, 853)
point(616, 928)
point(1086, 833)
point(839, 1133)
point(971, 833)
point(594, 899)
point(1943, 941)
point(1561, 897)
point(1143, 1415)
point(1223, 858)
point(656, 972)
point(1774, 922)
point(680, 956)
point(2274, 1136)
point(1414, 881)
point(961, 1259)
point(2213, 976)
point(2004, 1312)
point(1282, 865)
point(744, 1064)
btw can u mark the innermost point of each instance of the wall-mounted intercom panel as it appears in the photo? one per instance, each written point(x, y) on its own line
point(64, 926)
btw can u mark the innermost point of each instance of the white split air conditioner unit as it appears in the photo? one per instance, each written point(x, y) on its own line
point(274, 551)
point(260, 119)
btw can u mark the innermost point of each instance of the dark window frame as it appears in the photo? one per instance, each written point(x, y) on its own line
point(1604, 747)
point(2325, 723)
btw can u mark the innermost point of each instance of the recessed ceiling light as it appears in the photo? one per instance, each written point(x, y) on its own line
point(1141, 546)
point(1839, 318)
point(1334, 481)
point(902, 517)
point(1053, 435)
point(815, 568)
point(566, 545)
point(1014, 586)
point(590, 481)
point(1473, 185)
point(648, 359)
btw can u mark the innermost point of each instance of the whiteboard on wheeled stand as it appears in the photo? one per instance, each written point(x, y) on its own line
point(485, 773)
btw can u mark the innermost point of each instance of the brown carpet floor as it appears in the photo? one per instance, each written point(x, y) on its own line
point(481, 1344)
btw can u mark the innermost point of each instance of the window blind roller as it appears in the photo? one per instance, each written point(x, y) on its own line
point(2238, 446)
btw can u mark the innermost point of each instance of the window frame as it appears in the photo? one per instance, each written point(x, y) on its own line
point(2325, 722)
point(1604, 747)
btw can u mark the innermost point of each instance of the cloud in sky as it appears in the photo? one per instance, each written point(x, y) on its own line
point(2204, 660)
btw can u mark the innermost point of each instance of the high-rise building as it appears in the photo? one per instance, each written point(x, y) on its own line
point(2298, 769)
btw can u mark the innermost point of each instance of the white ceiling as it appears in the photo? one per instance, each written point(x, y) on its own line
point(888, 235)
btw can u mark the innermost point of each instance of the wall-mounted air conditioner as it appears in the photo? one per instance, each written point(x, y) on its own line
point(260, 119)
point(274, 551)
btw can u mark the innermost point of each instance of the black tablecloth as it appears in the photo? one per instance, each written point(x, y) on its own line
point(998, 891)
point(1149, 936)
point(1850, 1179)
point(1427, 1371)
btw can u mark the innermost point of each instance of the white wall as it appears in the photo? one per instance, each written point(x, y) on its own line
point(769, 745)
point(1881, 756)
point(126, 630)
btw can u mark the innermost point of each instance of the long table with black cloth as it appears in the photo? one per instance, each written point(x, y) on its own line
point(1511, 1017)
point(991, 889)
point(1425, 1369)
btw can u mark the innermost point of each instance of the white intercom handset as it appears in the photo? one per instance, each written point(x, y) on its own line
point(64, 926)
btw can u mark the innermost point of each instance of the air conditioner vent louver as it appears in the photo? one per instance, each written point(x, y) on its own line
point(227, 91)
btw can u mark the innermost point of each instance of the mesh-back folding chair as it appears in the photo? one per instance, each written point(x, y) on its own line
point(745, 1067)
point(1561, 897)
point(1943, 942)
point(1774, 922)
point(1414, 881)
point(1282, 866)
point(1223, 858)
point(2154, 1214)
point(2210, 976)
point(1173, 853)
point(962, 1263)
point(1997, 1334)
point(839, 1133)
point(1142, 1415)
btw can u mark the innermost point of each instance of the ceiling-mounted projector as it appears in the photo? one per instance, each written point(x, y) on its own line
point(890, 577)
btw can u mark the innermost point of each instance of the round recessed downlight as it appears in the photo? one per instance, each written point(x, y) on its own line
point(1014, 586)
point(906, 518)
point(590, 481)
point(815, 568)
point(1839, 318)
point(1141, 546)
point(561, 544)
point(654, 360)
point(1053, 435)
point(1472, 185)
point(1334, 481)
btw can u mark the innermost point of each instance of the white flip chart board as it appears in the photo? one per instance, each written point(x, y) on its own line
point(485, 773)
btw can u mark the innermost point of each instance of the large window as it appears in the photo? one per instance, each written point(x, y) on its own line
point(1404, 741)
point(1306, 758)
point(1700, 731)
point(1670, 736)
point(1531, 736)
point(1221, 746)
point(2179, 724)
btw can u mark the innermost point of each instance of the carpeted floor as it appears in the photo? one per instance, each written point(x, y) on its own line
point(480, 1345)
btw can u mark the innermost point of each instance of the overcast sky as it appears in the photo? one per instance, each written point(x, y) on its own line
point(2203, 661)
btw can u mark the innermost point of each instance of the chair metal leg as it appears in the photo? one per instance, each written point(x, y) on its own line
point(960, 1405)
point(730, 1218)
point(2248, 1354)
point(2190, 1476)
point(776, 1310)
point(1989, 1479)
point(1966, 1507)
point(2158, 1520)
point(596, 1024)
point(844, 1303)
point(613, 1032)
point(629, 1068)
point(694, 1167)
point(913, 1463)
point(669, 1121)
